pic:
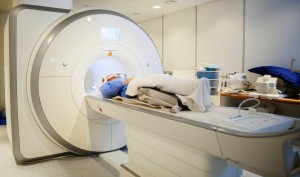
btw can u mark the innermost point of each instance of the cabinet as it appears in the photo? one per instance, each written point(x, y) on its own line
point(284, 106)
point(213, 77)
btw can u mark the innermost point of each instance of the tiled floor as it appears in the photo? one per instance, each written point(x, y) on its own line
point(63, 167)
point(77, 166)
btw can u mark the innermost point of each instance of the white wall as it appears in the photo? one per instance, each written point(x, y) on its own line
point(210, 33)
point(3, 17)
point(235, 35)
point(179, 40)
point(272, 33)
point(220, 34)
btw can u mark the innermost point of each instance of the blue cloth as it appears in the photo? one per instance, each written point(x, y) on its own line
point(285, 74)
point(114, 88)
point(2, 117)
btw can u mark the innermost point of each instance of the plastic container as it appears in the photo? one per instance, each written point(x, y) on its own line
point(213, 91)
point(208, 74)
point(211, 69)
point(214, 83)
point(210, 66)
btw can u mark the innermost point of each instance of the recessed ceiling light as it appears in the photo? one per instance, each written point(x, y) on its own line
point(170, 1)
point(156, 7)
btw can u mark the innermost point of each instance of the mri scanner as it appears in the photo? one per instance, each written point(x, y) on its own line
point(56, 59)
point(56, 56)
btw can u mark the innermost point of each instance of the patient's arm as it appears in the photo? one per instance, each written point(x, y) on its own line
point(111, 89)
point(127, 81)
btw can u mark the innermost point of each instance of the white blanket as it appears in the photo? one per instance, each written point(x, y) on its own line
point(196, 92)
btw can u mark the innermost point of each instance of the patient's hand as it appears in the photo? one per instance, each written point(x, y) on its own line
point(127, 81)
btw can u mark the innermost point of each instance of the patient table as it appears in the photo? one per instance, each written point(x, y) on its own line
point(205, 144)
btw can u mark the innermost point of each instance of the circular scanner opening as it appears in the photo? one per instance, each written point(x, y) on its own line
point(101, 68)
point(95, 64)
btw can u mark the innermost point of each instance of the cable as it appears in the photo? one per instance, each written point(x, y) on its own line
point(249, 99)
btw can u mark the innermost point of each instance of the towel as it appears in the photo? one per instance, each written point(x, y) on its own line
point(195, 92)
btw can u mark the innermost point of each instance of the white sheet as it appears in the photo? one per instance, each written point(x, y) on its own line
point(196, 92)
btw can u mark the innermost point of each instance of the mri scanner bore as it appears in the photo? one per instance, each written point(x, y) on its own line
point(115, 86)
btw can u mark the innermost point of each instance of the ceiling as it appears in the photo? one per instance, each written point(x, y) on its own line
point(138, 10)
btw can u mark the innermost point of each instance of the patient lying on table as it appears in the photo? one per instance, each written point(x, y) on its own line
point(115, 86)
point(161, 89)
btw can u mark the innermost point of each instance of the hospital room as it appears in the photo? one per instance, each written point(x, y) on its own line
point(149, 88)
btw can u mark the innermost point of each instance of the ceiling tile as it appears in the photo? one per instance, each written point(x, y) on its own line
point(140, 10)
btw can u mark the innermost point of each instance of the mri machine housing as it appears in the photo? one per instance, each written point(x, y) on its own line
point(55, 57)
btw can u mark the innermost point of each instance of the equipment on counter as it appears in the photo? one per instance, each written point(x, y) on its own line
point(237, 81)
point(266, 84)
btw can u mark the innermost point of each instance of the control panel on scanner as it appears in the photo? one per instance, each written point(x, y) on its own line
point(259, 123)
point(247, 122)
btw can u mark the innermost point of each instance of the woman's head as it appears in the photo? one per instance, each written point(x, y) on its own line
point(112, 77)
